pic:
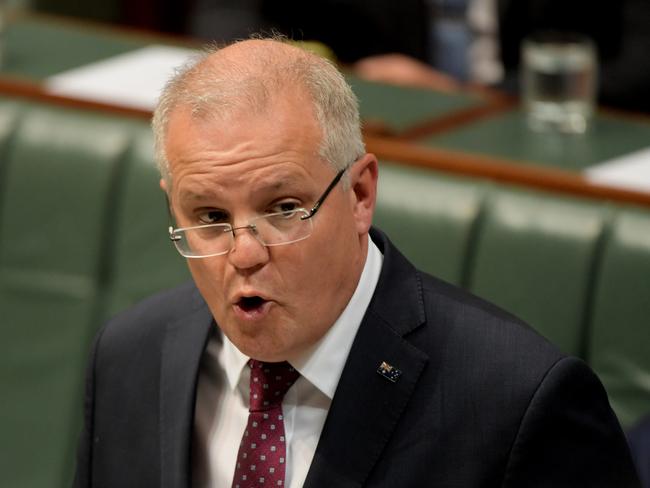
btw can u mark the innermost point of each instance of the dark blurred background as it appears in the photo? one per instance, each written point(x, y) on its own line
point(440, 33)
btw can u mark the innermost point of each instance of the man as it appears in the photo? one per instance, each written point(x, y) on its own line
point(382, 375)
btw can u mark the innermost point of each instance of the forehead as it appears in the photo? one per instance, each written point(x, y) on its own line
point(274, 147)
point(282, 121)
point(256, 185)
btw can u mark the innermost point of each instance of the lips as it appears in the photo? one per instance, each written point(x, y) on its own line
point(251, 306)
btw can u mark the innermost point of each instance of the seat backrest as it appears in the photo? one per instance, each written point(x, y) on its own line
point(58, 172)
point(619, 345)
point(430, 217)
point(535, 257)
point(9, 112)
point(142, 258)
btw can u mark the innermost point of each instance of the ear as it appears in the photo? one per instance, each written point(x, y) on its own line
point(163, 185)
point(363, 181)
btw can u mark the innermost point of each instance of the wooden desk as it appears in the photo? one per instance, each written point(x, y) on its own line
point(506, 136)
point(499, 146)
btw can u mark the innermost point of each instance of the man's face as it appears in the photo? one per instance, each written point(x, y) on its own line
point(272, 302)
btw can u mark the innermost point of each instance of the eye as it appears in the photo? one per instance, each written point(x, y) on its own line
point(284, 206)
point(213, 216)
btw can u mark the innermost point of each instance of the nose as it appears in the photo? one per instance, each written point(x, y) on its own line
point(247, 251)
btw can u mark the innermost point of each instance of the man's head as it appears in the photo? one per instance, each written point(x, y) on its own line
point(252, 129)
point(246, 76)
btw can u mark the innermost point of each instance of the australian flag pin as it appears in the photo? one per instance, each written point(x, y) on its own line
point(391, 373)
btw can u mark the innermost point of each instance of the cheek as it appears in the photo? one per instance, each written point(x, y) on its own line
point(299, 270)
point(323, 265)
point(208, 277)
point(295, 269)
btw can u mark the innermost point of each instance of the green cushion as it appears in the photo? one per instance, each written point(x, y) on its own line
point(144, 260)
point(429, 216)
point(9, 113)
point(534, 257)
point(42, 352)
point(59, 174)
point(620, 334)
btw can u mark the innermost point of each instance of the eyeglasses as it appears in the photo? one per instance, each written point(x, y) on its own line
point(276, 229)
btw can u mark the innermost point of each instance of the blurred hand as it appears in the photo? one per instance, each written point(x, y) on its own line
point(400, 69)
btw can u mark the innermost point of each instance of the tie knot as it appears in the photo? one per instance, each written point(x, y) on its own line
point(269, 383)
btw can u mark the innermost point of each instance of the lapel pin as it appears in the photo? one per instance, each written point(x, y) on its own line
point(391, 373)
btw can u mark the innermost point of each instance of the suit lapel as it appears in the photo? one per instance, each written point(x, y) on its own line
point(184, 343)
point(367, 405)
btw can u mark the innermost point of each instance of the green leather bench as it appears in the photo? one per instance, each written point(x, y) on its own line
point(577, 270)
point(83, 235)
point(79, 205)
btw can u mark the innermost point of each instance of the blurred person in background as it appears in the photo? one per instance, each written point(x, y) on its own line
point(445, 43)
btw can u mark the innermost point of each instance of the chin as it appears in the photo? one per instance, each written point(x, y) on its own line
point(261, 351)
point(254, 342)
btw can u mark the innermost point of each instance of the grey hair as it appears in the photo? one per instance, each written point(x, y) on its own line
point(218, 89)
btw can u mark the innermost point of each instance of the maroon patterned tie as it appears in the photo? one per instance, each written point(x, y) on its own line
point(262, 452)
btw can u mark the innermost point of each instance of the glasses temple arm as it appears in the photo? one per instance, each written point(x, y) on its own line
point(327, 191)
point(170, 217)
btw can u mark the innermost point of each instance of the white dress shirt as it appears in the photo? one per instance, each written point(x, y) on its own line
point(223, 391)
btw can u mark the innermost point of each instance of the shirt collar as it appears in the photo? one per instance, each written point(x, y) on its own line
point(233, 362)
point(322, 365)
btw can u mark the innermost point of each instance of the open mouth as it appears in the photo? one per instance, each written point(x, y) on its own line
point(251, 304)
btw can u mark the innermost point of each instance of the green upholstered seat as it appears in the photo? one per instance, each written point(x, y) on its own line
point(534, 257)
point(142, 259)
point(430, 217)
point(619, 346)
point(83, 235)
point(9, 112)
point(59, 169)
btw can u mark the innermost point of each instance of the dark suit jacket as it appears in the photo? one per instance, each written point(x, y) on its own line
point(482, 400)
point(639, 440)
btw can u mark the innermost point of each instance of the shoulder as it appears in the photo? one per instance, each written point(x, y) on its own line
point(468, 341)
point(480, 323)
point(452, 317)
point(164, 306)
point(141, 328)
point(486, 345)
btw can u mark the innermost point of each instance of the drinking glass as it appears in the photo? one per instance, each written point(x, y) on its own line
point(559, 78)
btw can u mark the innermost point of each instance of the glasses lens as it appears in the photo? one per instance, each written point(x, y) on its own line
point(209, 240)
point(271, 230)
point(283, 227)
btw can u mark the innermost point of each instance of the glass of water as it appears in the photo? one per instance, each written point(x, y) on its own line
point(559, 79)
